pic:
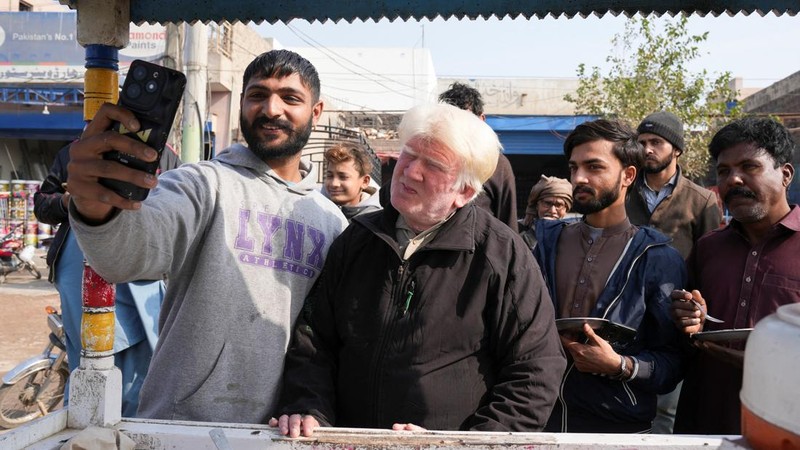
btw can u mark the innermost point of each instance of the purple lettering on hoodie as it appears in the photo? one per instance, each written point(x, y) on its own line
point(242, 241)
point(270, 224)
point(294, 240)
point(314, 257)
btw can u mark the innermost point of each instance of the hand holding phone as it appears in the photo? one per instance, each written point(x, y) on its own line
point(153, 93)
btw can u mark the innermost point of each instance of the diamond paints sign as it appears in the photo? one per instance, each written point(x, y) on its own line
point(43, 47)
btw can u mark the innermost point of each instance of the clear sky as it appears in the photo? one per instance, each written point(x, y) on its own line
point(761, 50)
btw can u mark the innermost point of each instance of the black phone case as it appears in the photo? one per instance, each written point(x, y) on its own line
point(155, 110)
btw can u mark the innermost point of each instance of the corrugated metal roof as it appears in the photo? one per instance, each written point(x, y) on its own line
point(350, 10)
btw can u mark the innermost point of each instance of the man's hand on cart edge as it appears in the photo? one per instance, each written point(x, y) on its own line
point(295, 424)
point(95, 203)
point(407, 427)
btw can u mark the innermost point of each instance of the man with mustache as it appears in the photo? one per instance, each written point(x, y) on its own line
point(665, 199)
point(740, 273)
point(430, 313)
point(606, 267)
point(242, 238)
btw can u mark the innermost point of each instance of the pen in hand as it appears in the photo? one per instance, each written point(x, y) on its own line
point(708, 317)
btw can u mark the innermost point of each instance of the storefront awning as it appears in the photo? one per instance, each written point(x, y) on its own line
point(53, 126)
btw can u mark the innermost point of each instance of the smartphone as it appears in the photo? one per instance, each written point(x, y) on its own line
point(152, 93)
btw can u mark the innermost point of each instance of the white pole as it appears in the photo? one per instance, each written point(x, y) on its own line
point(194, 98)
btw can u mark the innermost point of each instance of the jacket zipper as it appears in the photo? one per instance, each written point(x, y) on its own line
point(629, 391)
point(51, 271)
point(627, 278)
point(389, 322)
point(561, 398)
point(625, 386)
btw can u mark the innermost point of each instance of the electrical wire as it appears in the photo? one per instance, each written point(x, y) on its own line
point(320, 46)
point(324, 49)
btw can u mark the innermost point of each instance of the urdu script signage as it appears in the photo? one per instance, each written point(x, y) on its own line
point(43, 47)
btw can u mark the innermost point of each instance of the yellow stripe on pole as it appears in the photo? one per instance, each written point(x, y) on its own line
point(100, 86)
point(97, 332)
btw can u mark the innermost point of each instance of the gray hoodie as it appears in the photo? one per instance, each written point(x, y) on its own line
point(241, 248)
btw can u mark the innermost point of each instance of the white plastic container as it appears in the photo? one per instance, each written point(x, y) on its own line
point(771, 384)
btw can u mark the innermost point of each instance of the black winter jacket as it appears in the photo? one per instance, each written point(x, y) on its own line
point(459, 337)
point(47, 206)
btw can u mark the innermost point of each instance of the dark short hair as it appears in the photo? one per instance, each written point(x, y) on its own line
point(761, 131)
point(350, 151)
point(282, 63)
point(464, 97)
point(626, 148)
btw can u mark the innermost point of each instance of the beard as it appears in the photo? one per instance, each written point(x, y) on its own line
point(297, 137)
point(599, 201)
point(657, 166)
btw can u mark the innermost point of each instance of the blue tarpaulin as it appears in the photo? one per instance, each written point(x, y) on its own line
point(534, 135)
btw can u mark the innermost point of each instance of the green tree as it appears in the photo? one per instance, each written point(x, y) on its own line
point(648, 72)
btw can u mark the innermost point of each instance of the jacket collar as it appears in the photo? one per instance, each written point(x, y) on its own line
point(458, 233)
point(548, 232)
point(641, 184)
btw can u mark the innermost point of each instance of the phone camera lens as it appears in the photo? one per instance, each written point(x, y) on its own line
point(139, 73)
point(151, 86)
point(133, 91)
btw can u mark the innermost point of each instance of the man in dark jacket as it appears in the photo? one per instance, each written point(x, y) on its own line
point(499, 195)
point(430, 313)
point(665, 199)
point(605, 267)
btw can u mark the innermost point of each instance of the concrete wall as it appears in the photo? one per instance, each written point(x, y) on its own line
point(227, 75)
point(521, 96)
point(778, 98)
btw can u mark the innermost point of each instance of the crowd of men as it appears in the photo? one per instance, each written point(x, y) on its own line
point(433, 312)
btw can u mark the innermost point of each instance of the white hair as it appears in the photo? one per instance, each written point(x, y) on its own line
point(470, 138)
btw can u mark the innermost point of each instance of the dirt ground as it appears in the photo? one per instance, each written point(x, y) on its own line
point(23, 321)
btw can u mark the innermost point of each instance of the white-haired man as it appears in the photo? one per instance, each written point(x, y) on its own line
point(430, 313)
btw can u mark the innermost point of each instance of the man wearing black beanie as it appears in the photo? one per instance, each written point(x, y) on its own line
point(665, 199)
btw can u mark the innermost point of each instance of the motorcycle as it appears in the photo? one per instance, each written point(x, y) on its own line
point(14, 256)
point(35, 387)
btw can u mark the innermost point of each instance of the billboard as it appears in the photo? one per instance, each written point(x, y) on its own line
point(43, 47)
